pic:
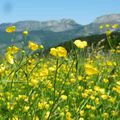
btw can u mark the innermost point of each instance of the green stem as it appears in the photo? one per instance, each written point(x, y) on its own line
point(109, 42)
point(54, 106)
point(55, 77)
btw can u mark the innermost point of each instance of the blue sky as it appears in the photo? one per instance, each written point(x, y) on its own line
point(82, 11)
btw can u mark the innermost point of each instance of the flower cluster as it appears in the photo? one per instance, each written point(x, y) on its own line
point(78, 85)
point(80, 44)
point(58, 52)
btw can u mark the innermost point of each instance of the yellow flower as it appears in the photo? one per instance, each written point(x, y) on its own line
point(97, 88)
point(10, 52)
point(13, 49)
point(105, 115)
point(97, 101)
point(9, 58)
point(105, 80)
point(82, 113)
point(112, 99)
point(118, 82)
point(61, 51)
point(53, 51)
point(108, 33)
point(33, 83)
point(88, 106)
point(14, 118)
point(117, 88)
point(84, 95)
point(10, 29)
point(35, 118)
point(93, 108)
point(33, 46)
point(2, 68)
point(47, 115)
point(44, 72)
point(62, 114)
point(101, 27)
point(104, 97)
point(43, 105)
point(63, 97)
point(107, 25)
point(68, 116)
point(25, 33)
point(81, 118)
point(26, 108)
point(90, 70)
point(109, 63)
point(80, 44)
point(51, 102)
point(114, 113)
point(115, 26)
point(117, 51)
point(58, 52)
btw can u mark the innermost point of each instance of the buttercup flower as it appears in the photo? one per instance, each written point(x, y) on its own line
point(33, 83)
point(9, 58)
point(68, 116)
point(2, 68)
point(115, 26)
point(10, 29)
point(63, 97)
point(58, 52)
point(107, 25)
point(33, 46)
point(80, 44)
point(101, 27)
point(90, 70)
point(13, 49)
point(61, 51)
point(53, 51)
point(108, 33)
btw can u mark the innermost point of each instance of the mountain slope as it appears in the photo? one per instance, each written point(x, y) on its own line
point(54, 32)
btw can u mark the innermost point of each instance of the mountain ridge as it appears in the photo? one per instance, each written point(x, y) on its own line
point(54, 32)
point(52, 25)
point(108, 18)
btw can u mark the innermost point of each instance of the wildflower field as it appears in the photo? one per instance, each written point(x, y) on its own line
point(82, 84)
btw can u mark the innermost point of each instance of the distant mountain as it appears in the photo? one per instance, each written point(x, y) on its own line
point(52, 25)
point(54, 32)
point(93, 28)
point(112, 18)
